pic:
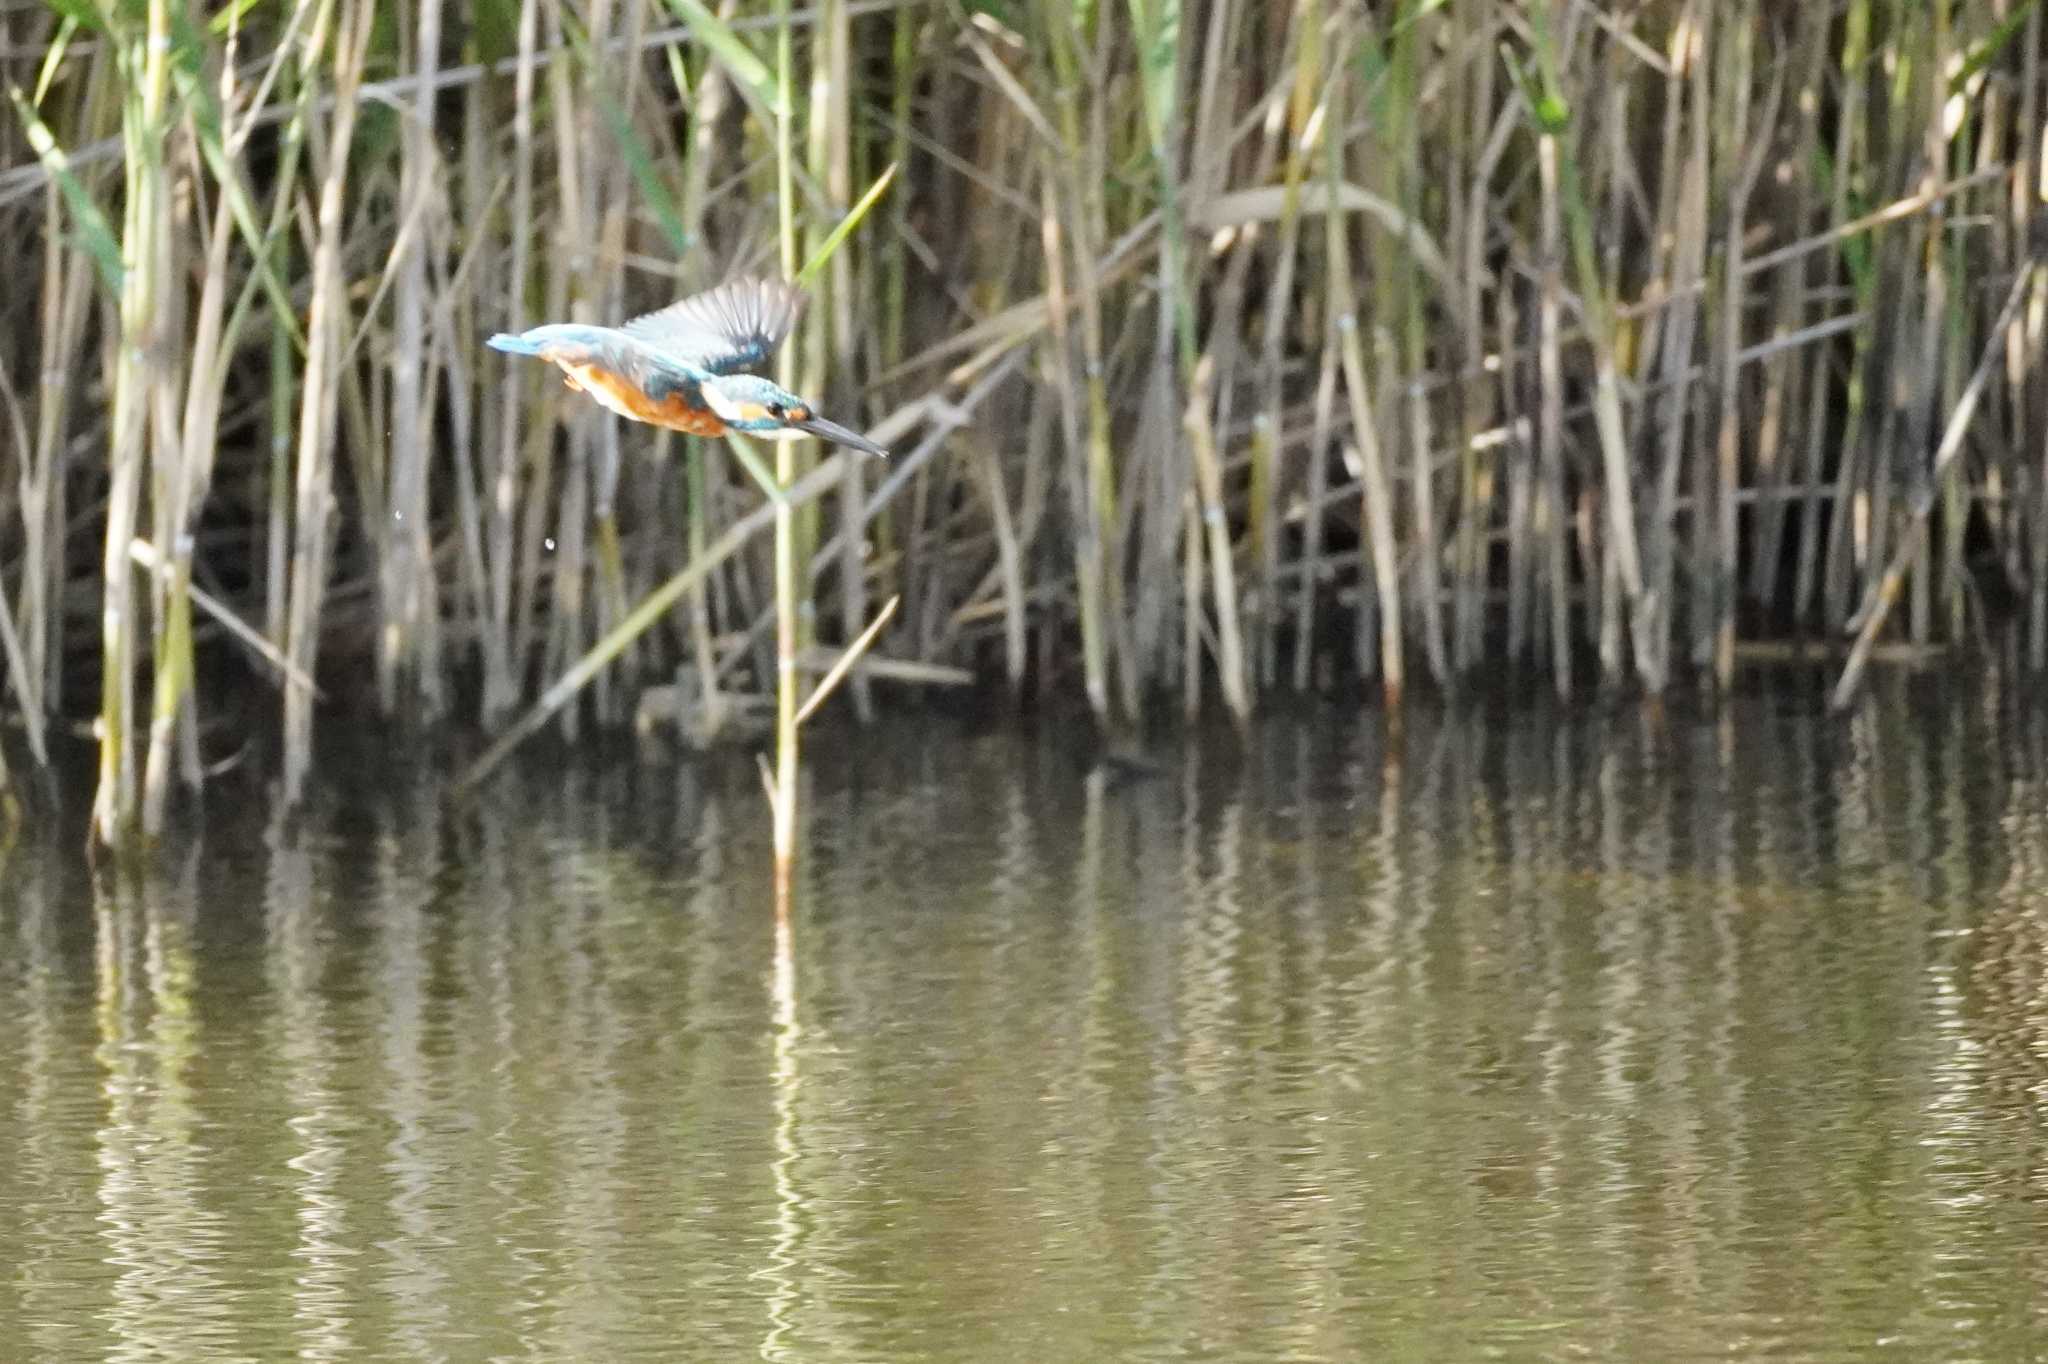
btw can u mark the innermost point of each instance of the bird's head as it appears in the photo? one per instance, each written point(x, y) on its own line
point(763, 408)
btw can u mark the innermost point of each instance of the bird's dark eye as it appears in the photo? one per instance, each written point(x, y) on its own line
point(777, 411)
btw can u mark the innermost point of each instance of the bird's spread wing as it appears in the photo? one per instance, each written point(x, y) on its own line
point(722, 330)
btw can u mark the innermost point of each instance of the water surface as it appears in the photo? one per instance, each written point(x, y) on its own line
point(1525, 1035)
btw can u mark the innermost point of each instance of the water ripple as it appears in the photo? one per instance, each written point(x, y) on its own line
point(1549, 1037)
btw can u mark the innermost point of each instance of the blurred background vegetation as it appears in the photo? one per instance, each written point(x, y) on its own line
point(1226, 349)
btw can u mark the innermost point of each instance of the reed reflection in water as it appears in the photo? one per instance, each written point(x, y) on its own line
point(1550, 1035)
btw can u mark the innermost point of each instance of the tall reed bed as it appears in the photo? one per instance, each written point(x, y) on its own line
point(1227, 348)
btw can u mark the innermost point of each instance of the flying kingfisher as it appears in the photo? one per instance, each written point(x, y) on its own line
point(684, 367)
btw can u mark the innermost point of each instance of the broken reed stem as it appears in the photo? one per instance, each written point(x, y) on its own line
point(1213, 524)
point(847, 660)
point(1377, 501)
point(643, 617)
point(1885, 590)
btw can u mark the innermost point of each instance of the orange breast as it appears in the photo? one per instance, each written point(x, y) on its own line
point(678, 415)
point(628, 400)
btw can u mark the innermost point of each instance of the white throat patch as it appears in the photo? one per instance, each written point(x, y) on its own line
point(726, 408)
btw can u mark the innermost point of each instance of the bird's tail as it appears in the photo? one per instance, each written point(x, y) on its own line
point(517, 345)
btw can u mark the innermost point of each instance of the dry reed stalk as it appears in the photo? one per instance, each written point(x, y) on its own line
point(2037, 587)
point(788, 590)
point(1009, 556)
point(1550, 419)
point(1224, 352)
point(1787, 379)
point(1156, 507)
point(1884, 590)
point(1212, 523)
point(1400, 162)
point(1478, 401)
point(1077, 222)
point(408, 600)
point(1312, 527)
point(1192, 625)
point(67, 286)
point(1211, 154)
point(313, 507)
point(21, 683)
point(2026, 336)
point(1305, 122)
point(67, 289)
point(1376, 508)
point(20, 678)
point(470, 417)
point(1813, 436)
point(2003, 506)
point(185, 469)
point(1682, 222)
point(887, 328)
point(504, 632)
point(1618, 493)
point(617, 147)
point(1931, 76)
point(1963, 498)
point(830, 114)
point(1851, 501)
point(709, 98)
point(273, 475)
point(1729, 431)
point(276, 484)
point(1520, 459)
point(1058, 364)
point(576, 279)
point(137, 379)
point(1724, 148)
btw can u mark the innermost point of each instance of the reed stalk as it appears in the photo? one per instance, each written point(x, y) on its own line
point(1729, 428)
point(68, 277)
point(184, 469)
point(782, 792)
point(1215, 528)
point(408, 604)
point(1884, 590)
point(1550, 504)
point(1376, 493)
point(319, 392)
point(1618, 485)
point(1682, 223)
point(136, 374)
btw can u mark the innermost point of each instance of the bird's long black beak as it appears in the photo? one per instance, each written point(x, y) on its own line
point(833, 431)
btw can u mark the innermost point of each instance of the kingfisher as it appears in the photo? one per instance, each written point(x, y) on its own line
point(684, 367)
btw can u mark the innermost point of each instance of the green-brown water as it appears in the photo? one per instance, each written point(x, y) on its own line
point(1536, 1036)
